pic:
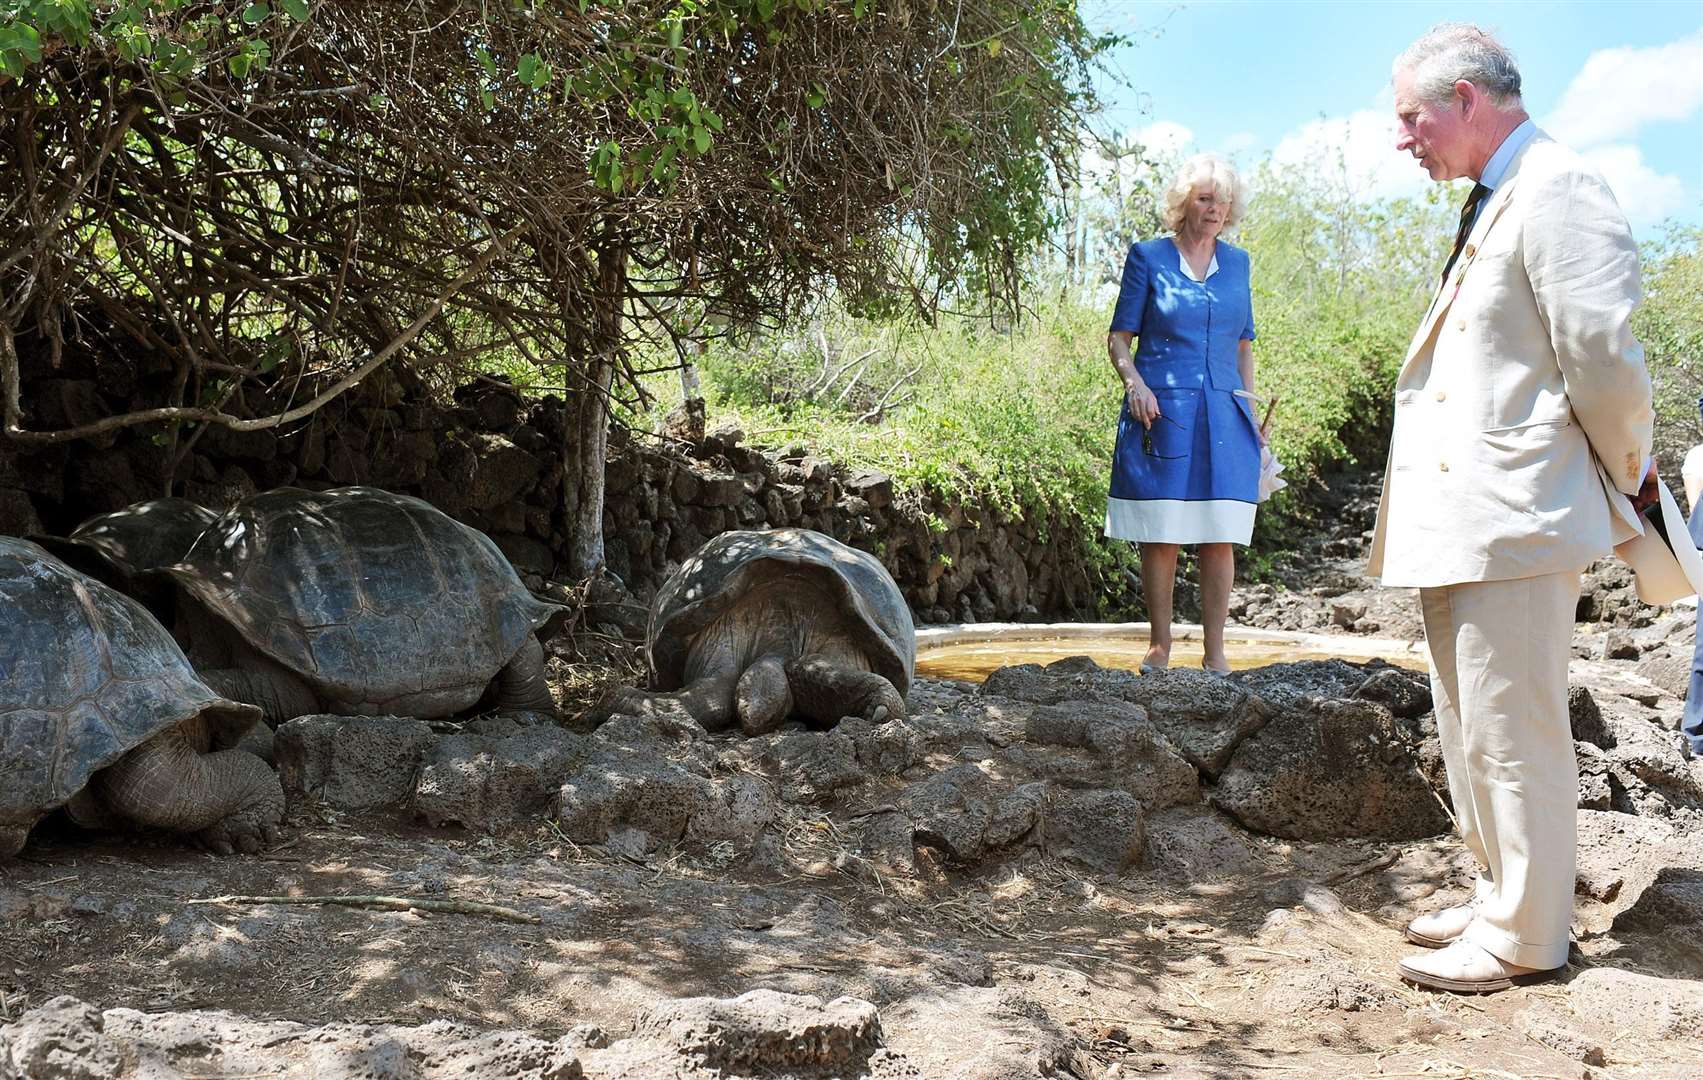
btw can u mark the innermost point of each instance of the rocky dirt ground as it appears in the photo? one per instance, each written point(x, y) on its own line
point(1065, 872)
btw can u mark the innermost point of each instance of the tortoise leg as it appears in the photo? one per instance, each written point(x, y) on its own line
point(278, 693)
point(259, 740)
point(709, 702)
point(521, 686)
point(12, 839)
point(763, 698)
point(229, 798)
point(825, 691)
point(89, 812)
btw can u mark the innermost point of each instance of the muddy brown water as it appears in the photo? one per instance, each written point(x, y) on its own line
point(973, 661)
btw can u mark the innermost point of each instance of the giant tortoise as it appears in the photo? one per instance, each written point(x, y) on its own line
point(125, 548)
point(143, 537)
point(762, 625)
point(354, 601)
point(100, 712)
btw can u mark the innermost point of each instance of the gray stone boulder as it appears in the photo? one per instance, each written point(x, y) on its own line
point(907, 745)
point(1330, 769)
point(351, 762)
point(496, 776)
point(1650, 770)
point(1203, 716)
point(1596, 784)
point(814, 766)
point(1638, 1005)
point(1670, 908)
point(66, 1039)
point(1302, 680)
point(1206, 717)
point(1122, 747)
point(1669, 669)
point(650, 802)
point(1198, 844)
point(968, 818)
point(1407, 694)
point(1544, 1025)
point(1585, 718)
point(1620, 856)
point(767, 1033)
point(982, 1033)
point(1100, 829)
point(63, 1039)
point(951, 812)
point(888, 841)
point(1075, 678)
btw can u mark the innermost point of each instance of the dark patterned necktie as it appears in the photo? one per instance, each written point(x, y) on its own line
point(1479, 191)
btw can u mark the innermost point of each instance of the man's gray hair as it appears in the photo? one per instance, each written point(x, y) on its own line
point(1452, 51)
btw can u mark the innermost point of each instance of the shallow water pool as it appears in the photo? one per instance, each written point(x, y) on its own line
point(970, 654)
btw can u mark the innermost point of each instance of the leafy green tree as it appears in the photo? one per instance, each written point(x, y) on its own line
point(1669, 324)
point(1340, 283)
point(280, 198)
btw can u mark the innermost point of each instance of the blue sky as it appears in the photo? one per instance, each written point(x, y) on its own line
point(1622, 82)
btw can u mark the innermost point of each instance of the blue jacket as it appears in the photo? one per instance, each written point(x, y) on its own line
point(1188, 330)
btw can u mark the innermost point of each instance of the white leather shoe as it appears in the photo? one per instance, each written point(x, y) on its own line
point(1467, 968)
point(1438, 928)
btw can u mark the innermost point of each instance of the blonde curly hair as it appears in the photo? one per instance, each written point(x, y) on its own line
point(1203, 168)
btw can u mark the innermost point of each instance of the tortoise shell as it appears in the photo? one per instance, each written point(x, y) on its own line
point(721, 574)
point(376, 600)
point(145, 536)
point(86, 674)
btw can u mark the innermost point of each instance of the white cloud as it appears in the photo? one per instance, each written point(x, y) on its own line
point(1239, 141)
point(1645, 195)
point(1358, 148)
point(1164, 138)
point(1618, 91)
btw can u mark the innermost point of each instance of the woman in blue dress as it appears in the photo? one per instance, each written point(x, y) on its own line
point(1186, 470)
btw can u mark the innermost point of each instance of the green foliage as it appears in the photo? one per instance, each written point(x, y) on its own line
point(1669, 324)
point(1339, 286)
point(1025, 416)
point(1024, 420)
point(518, 183)
point(169, 40)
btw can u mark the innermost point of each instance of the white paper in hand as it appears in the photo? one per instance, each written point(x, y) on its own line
point(1269, 468)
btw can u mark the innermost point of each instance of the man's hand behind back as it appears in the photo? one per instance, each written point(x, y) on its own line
point(1647, 494)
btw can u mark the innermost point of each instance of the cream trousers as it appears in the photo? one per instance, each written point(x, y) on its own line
point(1499, 652)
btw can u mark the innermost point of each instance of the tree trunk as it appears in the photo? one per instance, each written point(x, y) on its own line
point(584, 456)
point(1073, 227)
point(689, 386)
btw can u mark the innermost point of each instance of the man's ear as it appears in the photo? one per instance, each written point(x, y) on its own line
point(1469, 97)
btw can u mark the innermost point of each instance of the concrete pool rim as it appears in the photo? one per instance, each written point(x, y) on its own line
point(1346, 646)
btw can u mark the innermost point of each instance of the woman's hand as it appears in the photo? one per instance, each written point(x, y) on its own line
point(1142, 404)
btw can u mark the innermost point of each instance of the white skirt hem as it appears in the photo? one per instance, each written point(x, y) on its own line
point(1181, 521)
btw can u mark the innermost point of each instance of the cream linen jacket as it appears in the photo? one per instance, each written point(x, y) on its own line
point(1522, 413)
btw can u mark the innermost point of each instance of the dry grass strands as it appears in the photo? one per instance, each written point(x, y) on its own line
point(389, 903)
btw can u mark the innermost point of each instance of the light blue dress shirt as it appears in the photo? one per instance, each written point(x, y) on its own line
point(1497, 167)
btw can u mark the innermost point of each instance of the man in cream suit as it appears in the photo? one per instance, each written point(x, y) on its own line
point(1521, 443)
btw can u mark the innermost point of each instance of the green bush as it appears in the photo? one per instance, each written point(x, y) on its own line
point(1023, 419)
point(1025, 415)
point(1670, 325)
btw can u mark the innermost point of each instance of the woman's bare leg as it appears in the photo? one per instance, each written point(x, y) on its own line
point(1217, 574)
point(1158, 582)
